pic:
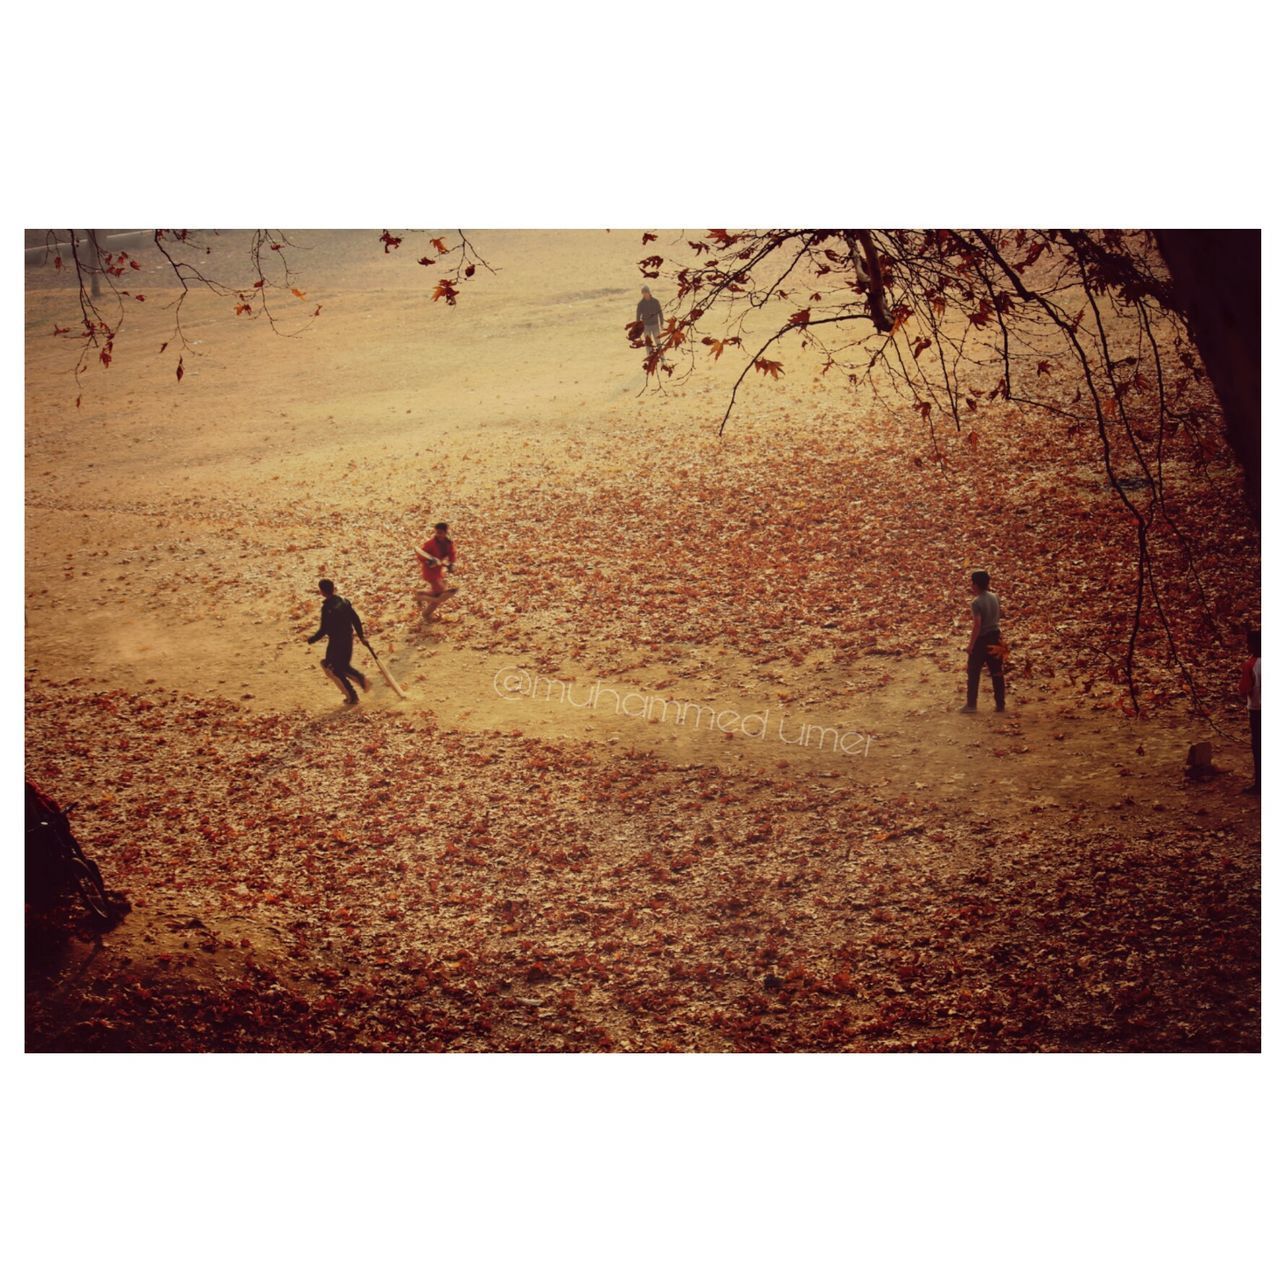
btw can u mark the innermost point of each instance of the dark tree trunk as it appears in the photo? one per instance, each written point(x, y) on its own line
point(1217, 278)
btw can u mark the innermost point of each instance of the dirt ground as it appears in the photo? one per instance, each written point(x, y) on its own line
point(490, 864)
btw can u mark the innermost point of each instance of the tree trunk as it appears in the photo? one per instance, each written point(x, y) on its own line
point(1217, 278)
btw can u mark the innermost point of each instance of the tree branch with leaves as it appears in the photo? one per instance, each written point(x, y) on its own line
point(1084, 329)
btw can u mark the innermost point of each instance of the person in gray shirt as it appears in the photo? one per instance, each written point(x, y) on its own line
point(985, 643)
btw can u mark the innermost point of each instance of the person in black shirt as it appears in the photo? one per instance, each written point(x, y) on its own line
point(340, 622)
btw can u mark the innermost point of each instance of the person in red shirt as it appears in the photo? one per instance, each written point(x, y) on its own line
point(436, 557)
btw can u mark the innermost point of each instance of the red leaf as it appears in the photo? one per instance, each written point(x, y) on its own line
point(426, 262)
point(387, 240)
point(439, 246)
point(770, 367)
point(180, 369)
point(297, 293)
point(800, 319)
point(648, 235)
point(1032, 254)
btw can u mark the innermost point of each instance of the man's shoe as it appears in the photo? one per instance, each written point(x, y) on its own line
point(364, 682)
point(968, 711)
point(353, 699)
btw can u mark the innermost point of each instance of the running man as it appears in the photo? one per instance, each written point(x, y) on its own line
point(436, 557)
point(340, 622)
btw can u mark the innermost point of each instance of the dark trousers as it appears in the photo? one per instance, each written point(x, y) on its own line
point(980, 657)
point(1255, 741)
point(337, 661)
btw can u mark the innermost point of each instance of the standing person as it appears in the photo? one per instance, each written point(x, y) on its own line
point(649, 313)
point(1251, 687)
point(982, 637)
point(340, 622)
point(436, 556)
